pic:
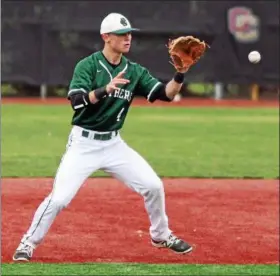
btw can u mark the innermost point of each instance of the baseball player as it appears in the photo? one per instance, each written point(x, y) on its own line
point(101, 92)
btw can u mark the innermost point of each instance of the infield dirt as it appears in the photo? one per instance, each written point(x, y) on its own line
point(228, 221)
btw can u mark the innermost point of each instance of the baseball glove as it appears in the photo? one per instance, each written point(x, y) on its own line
point(185, 51)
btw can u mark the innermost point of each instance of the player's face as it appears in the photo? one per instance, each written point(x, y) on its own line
point(119, 43)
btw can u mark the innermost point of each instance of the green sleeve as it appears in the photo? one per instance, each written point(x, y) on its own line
point(147, 84)
point(83, 77)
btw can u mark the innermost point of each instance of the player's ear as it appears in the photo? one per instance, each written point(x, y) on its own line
point(105, 37)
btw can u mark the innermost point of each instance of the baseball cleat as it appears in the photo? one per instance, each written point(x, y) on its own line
point(23, 253)
point(174, 243)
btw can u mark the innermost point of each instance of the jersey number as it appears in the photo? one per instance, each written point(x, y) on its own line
point(120, 114)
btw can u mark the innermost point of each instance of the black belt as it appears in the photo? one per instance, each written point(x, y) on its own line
point(99, 136)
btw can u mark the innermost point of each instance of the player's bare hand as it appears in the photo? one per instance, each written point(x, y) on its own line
point(117, 80)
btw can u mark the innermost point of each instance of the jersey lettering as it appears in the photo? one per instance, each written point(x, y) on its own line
point(123, 94)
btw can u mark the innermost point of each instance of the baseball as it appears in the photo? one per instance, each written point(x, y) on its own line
point(254, 56)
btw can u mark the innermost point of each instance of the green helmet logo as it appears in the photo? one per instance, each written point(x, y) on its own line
point(123, 21)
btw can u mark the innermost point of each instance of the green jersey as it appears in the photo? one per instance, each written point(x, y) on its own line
point(110, 112)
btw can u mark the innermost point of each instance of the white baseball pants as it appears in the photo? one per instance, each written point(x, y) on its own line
point(83, 157)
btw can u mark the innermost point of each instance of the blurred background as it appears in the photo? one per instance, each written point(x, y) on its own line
point(43, 40)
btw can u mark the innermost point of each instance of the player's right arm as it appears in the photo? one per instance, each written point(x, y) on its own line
point(99, 93)
point(81, 84)
point(81, 94)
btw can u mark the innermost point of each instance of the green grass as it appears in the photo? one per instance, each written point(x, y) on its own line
point(137, 269)
point(177, 142)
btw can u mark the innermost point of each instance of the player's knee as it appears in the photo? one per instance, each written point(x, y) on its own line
point(155, 186)
point(59, 204)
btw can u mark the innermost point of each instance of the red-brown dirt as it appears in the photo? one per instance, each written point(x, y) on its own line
point(227, 221)
point(142, 101)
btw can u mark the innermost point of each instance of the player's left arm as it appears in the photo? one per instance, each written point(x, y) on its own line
point(154, 90)
point(173, 87)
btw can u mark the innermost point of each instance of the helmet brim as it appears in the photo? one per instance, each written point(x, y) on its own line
point(124, 31)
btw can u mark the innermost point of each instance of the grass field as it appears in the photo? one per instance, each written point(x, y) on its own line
point(178, 142)
point(197, 142)
point(137, 269)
